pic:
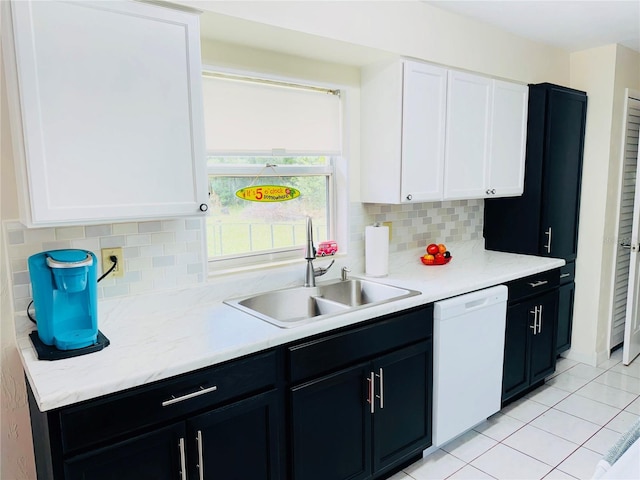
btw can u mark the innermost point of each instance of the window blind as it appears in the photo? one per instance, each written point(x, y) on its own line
point(256, 118)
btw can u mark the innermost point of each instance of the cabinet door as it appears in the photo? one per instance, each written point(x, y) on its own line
point(402, 419)
point(543, 339)
point(236, 442)
point(112, 129)
point(508, 139)
point(331, 427)
point(467, 136)
point(423, 122)
point(565, 127)
point(566, 294)
point(515, 373)
point(153, 456)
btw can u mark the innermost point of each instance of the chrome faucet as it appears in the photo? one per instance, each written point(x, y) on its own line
point(310, 255)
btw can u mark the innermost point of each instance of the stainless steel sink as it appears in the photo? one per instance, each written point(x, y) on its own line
point(295, 306)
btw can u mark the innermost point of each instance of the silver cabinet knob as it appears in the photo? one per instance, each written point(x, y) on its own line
point(409, 197)
point(204, 207)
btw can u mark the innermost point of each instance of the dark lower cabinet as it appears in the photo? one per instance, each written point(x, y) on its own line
point(359, 421)
point(531, 335)
point(222, 439)
point(235, 442)
point(221, 423)
point(153, 455)
point(366, 419)
point(402, 417)
point(354, 403)
point(565, 307)
point(331, 436)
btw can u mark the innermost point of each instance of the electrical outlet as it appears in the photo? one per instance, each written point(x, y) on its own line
point(388, 224)
point(118, 272)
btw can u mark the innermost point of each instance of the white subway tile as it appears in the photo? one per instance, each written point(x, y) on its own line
point(124, 228)
point(69, 233)
point(135, 240)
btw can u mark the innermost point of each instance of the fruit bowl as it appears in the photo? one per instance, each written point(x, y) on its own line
point(433, 264)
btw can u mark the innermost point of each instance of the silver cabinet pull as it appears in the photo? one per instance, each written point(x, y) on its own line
point(381, 396)
point(200, 460)
point(540, 320)
point(493, 191)
point(197, 393)
point(183, 465)
point(548, 245)
point(565, 275)
point(488, 191)
point(409, 197)
point(370, 394)
point(534, 327)
point(539, 283)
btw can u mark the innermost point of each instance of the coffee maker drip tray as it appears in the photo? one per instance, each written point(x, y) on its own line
point(50, 352)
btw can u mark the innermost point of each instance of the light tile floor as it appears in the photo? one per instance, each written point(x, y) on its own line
point(559, 431)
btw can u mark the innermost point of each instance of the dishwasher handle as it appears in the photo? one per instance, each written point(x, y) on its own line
point(470, 302)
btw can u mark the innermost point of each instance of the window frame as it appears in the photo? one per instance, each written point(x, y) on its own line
point(337, 184)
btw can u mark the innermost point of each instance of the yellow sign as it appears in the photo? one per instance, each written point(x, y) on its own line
point(268, 193)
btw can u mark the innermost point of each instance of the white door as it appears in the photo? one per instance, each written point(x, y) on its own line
point(423, 121)
point(508, 139)
point(467, 136)
point(631, 346)
point(111, 101)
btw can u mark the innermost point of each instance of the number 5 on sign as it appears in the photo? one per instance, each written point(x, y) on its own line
point(268, 193)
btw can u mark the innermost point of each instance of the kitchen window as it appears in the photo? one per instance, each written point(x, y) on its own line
point(262, 134)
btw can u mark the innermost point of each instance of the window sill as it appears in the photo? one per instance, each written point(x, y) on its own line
point(297, 262)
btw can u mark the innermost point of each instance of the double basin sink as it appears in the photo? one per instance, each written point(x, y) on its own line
point(291, 307)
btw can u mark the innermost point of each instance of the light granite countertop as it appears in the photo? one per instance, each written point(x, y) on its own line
point(160, 335)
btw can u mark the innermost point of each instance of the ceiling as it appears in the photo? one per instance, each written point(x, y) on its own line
point(572, 25)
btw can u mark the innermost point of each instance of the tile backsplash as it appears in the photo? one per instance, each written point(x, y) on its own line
point(418, 224)
point(171, 253)
point(157, 254)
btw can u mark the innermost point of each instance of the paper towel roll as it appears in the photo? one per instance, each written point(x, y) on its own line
point(376, 244)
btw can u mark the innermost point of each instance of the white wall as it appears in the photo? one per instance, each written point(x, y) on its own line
point(410, 28)
point(16, 456)
point(603, 73)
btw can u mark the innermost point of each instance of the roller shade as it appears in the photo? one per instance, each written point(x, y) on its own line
point(255, 118)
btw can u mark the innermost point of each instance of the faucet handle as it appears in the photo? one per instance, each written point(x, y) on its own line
point(322, 270)
point(343, 273)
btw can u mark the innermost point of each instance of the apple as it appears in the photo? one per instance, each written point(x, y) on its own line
point(432, 249)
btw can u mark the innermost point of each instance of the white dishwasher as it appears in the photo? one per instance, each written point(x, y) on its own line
point(468, 355)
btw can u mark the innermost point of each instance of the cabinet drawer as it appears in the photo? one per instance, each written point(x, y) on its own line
point(533, 285)
point(121, 414)
point(337, 351)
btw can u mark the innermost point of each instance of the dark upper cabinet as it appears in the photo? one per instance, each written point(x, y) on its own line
point(544, 220)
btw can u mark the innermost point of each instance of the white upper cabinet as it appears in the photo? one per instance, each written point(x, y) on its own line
point(107, 118)
point(423, 120)
point(508, 139)
point(403, 119)
point(467, 144)
point(431, 134)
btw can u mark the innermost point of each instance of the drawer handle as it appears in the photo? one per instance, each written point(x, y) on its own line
point(197, 393)
point(565, 275)
point(539, 283)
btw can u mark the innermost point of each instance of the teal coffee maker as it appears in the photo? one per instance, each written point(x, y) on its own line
point(64, 284)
